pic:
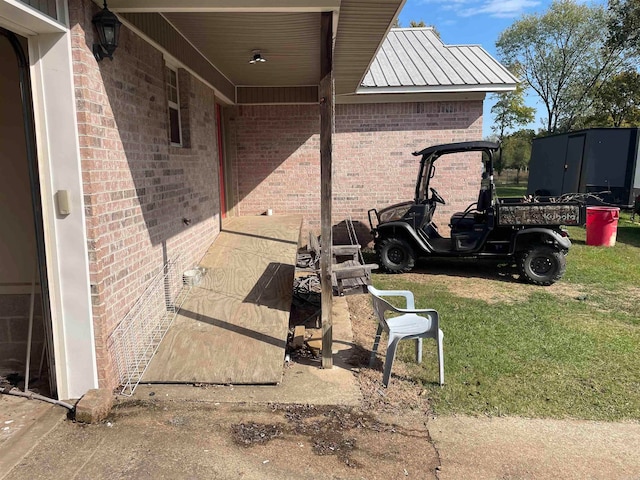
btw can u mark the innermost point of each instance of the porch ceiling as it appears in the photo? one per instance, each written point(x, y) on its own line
point(290, 42)
point(287, 32)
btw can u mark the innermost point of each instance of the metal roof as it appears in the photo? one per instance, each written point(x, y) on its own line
point(416, 60)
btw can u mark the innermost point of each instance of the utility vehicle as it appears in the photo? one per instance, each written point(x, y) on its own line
point(527, 231)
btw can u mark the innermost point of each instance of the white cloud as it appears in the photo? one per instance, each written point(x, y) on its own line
point(500, 8)
point(493, 8)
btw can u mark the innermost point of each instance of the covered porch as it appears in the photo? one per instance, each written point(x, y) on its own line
point(313, 51)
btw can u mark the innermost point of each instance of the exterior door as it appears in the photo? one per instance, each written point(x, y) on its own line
point(22, 245)
point(573, 164)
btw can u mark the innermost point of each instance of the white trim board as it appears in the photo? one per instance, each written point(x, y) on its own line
point(25, 20)
point(410, 97)
point(222, 5)
point(65, 237)
point(486, 88)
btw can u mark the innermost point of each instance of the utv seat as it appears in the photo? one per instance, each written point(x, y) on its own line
point(473, 214)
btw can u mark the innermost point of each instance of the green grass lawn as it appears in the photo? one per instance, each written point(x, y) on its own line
point(507, 191)
point(572, 350)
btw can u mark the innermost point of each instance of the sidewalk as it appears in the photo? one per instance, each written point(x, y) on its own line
point(23, 424)
point(517, 448)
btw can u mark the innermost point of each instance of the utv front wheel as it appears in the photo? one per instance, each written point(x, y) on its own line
point(396, 255)
point(542, 265)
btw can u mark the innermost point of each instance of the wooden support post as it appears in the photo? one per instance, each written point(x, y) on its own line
point(326, 129)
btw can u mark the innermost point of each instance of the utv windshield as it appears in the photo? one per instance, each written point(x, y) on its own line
point(431, 154)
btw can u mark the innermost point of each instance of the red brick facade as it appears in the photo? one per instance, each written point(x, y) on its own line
point(277, 160)
point(137, 189)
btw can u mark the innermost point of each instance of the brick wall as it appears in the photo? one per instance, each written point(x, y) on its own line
point(373, 164)
point(276, 162)
point(276, 159)
point(137, 188)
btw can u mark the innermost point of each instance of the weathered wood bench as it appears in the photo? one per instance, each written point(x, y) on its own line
point(348, 276)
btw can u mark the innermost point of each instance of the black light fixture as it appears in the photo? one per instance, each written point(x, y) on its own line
point(256, 57)
point(108, 28)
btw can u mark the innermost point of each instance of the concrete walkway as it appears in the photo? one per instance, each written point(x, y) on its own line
point(482, 448)
point(168, 437)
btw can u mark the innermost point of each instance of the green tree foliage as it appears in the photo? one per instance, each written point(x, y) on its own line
point(617, 102)
point(510, 111)
point(563, 54)
point(516, 151)
point(624, 24)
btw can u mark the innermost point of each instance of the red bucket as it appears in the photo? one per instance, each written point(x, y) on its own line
point(602, 226)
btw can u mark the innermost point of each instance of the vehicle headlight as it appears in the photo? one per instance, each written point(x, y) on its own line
point(393, 214)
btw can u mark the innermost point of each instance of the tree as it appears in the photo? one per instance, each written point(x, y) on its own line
point(624, 24)
point(516, 151)
point(617, 102)
point(563, 54)
point(510, 111)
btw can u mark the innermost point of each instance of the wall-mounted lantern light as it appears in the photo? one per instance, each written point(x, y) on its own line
point(108, 28)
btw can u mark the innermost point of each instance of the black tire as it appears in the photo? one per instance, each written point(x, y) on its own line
point(396, 255)
point(542, 265)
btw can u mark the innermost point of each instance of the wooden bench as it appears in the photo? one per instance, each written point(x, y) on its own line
point(348, 276)
point(352, 277)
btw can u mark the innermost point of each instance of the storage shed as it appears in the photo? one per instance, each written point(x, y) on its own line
point(592, 160)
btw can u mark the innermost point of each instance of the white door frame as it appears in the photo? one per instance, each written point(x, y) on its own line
point(51, 68)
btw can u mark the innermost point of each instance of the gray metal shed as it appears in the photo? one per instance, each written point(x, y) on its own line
point(592, 160)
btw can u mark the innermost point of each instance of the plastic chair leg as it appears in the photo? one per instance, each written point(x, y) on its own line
point(388, 361)
point(376, 343)
point(419, 350)
point(441, 356)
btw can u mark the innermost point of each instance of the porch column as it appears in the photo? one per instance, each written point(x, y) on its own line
point(326, 129)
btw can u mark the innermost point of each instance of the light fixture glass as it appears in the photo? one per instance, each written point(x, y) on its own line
point(108, 30)
point(256, 57)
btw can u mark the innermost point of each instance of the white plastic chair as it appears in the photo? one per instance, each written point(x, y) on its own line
point(410, 323)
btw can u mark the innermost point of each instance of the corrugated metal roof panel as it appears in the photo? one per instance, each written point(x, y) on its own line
point(417, 59)
point(461, 54)
point(385, 66)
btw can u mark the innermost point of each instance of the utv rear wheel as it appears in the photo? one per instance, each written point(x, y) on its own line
point(396, 255)
point(542, 265)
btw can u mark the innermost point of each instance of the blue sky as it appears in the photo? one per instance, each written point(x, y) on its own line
point(478, 22)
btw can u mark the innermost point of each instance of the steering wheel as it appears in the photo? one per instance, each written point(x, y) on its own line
point(436, 196)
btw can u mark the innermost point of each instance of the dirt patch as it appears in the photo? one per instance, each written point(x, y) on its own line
point(194, 439)
point(403, 394)
point(329, 430)
point(496, 288)
point(332, 431)
point(247, 434)
point(626, 299)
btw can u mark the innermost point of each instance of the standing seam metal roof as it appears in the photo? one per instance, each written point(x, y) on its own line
point(416, 59)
